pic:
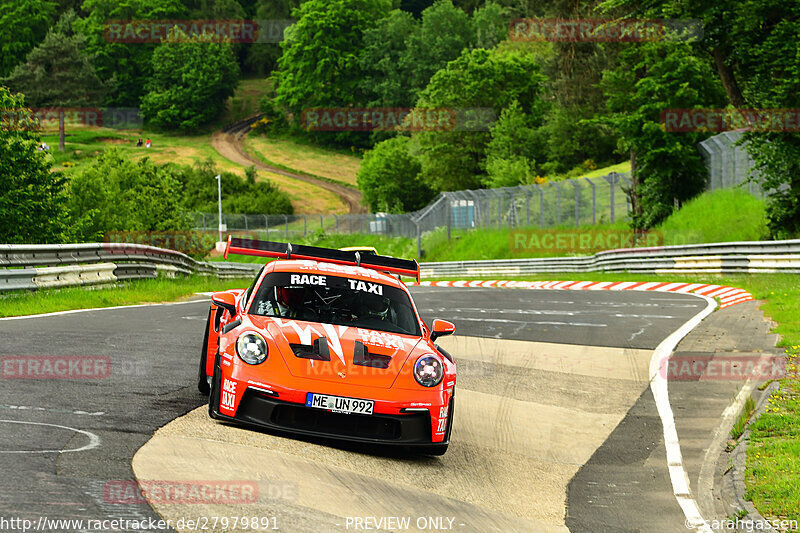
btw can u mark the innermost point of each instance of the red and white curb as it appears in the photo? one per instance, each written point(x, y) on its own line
point(727, 296)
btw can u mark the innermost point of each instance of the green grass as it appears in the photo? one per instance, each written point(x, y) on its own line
point(744, 418)
point(296, 156)
point(712, 217)
point(720, 216)
point(128, 293)
point(621, 168)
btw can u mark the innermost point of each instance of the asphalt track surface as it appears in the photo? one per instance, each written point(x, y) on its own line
point(153, 352)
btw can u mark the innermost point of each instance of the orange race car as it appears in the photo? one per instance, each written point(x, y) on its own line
point(328, 343)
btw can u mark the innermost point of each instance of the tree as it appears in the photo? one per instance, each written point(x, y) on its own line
point(389, 178)
point(32, 203)
point(480, 79)
point(766, 36)
point(666, 167)
point(512, 151)
point(116, 194)
point(320, 64)
point(192, 80)
point(754, 48)
point(444, 32)
point(575, 70)
point(124, 66)
point(490, 25)
point(58, 73)
point(23, 25)
point(262, 58)
point(386, 73)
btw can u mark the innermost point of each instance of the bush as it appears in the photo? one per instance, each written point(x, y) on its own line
point(389, 178)
point(116, 194)
point(31, 206)
point(239, 196)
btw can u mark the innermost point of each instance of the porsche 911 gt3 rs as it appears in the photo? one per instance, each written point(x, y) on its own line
point(329, 343)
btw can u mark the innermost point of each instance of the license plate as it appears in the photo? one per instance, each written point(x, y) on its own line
point(339, 404)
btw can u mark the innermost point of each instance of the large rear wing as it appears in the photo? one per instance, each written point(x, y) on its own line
point(284, 250)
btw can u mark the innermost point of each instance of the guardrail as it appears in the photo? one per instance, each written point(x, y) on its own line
point(717, 258)
point(62, 265)
point(24, 266)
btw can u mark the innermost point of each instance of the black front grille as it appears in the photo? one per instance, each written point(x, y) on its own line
point(348, 425)
point(258, 408)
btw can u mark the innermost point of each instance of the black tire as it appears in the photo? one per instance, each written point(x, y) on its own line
point(214, 393)
point(202, 378)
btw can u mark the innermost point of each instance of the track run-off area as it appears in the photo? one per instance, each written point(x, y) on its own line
point(558, 424)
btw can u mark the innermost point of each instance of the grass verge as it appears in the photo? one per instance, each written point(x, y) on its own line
point(744, 418)
point(127, 293)
point(315, 161)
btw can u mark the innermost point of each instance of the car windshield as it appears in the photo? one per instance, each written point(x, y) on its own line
point(336, 300)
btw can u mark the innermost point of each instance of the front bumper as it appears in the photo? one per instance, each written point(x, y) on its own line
point(261, 410)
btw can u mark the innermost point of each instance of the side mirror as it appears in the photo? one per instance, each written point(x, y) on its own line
point(225, 300)
point(442, 328)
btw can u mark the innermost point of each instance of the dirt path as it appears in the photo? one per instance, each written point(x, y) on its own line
point(228, 142)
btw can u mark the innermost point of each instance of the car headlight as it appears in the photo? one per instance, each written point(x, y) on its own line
point(429, 370)
point(252, 348)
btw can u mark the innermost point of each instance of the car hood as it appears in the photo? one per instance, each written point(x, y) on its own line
point(382, 355)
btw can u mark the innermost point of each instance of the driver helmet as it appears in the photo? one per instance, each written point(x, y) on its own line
point(376, 306)
point(291, 297)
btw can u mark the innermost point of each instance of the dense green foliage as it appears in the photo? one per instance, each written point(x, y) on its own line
point(493, 80)
point(320, 63)
point(239, 196)
point(23, 25)
point(524, 110)
point(125, 66)
point(58, 73)
point(754, 47)
point(31, 206)
point(117, 194)
point(192, 80)
point(667, 167)
point(389, 177)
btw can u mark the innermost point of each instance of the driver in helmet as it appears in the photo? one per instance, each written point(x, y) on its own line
point(287, 302)
point(375, 307)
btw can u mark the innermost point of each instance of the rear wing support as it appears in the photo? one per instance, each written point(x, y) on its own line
point(283, 250)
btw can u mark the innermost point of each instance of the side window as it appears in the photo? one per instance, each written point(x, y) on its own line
point(249, 293)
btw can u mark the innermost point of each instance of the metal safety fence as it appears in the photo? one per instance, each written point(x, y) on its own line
point(566, 203)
